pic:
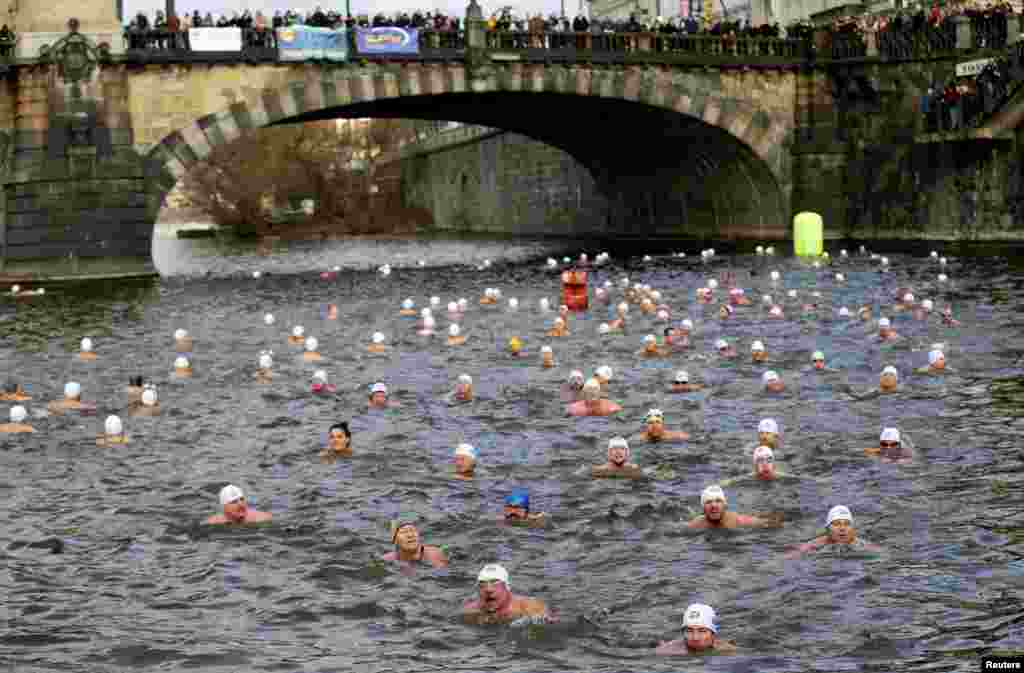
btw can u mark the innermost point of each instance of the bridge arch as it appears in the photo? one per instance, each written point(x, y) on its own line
point(677, 152)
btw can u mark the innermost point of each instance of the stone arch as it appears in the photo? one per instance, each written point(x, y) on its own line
point(758, 133)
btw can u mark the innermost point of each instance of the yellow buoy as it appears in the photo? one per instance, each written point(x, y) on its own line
point(808, 234)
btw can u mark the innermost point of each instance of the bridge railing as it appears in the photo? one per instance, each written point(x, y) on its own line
point(896, 44)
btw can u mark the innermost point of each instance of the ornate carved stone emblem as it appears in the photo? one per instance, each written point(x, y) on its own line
point(75, 54)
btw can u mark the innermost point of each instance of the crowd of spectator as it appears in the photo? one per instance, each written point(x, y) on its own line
point(964, 102)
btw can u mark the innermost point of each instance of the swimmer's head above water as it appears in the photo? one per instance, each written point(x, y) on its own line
point(768, 432)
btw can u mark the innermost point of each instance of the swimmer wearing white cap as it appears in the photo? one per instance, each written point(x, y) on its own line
point(651, 349)
point(592, 403)
point(888, 380)
point(496, 604)
point(408, 548)
point(113, 432)
point(839, 531)
point(701, 627)
point(455, 336)
point(264, 374)
point(268, 319)
point(655, 432)
point(772, 382)
point(768, 433)
point(724, 349)
point(490, 297)
point(298, 336)
point(936, 363)
point(465, 461)
point(891, 447)
point(764, 464)
point(603, 375)
point(86, 352)
point(17, 423)
point(148, 403)
point(236, 510)
point(463, 391)
point(758, 353)
point(379, 397)
point(182, 341)
point(311, 353)
point(182, 367)
point(681, 383)
point(72, 400)
point(572, 389)
point(377, 344)
point(547, 357)
point(427, 325)
point(559, 329)
point(618, 464)
point(408, 307)
point(716, 514)
point(14, 392)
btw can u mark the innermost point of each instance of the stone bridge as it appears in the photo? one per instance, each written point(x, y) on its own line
point(699, 147)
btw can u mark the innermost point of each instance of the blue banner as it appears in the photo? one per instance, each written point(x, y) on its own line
point(302, 43)
point(388, 40)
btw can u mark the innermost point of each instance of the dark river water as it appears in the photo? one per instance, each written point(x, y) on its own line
point(140, 584)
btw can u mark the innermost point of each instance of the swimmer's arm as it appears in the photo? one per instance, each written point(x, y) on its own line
point(873, 450)
point(671, 648)
point(725, 647)
point(436, 556)
point(806, 547)
point(767, 520)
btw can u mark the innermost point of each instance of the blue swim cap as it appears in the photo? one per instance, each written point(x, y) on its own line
point(518, 499)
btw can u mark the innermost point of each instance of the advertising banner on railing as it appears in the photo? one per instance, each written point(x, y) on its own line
point(215, 39)
point(972, 68)
point(301, 43)
point(388, 40)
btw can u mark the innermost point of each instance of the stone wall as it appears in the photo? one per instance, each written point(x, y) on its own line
point(505, 182)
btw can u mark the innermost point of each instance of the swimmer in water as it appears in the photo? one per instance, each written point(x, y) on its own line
point(592, 403)
point(559, 329)
point(13, 392)
point(86, 352)
point(675, 340)
point(650, 349)
point(646, 306)
point(724, 349)
point(408, 548)
point(182, 367)
point(182, 341)
point(311, 354)
point(618, 464)
point(339, 441)
point(737, 297)
point(515, 347)
point(764, 464)
point(818, 361)
point(924, 310)
point(936, 363)
point(655, 430)
point(455, 338)
point(547, 357)
point(263, 373)
point(768, 433)
point(704, 295)
point(572, 390)
point(408, 308)
point(758, 352)
point(298, 336)
point(453, 311)
point(465, 461)
point(885, 330)
point(489, 297)
point(864, 313)
point(428, 326)
point(947, 317)
point(113, 433)
point(134, 389)
point(716, 515)
point(603, 375)
point(891, 448)
point(379, 397)
point(463, 391)
point(839, 531)
point(72, 400)
point(563, 312)
point(17, 423)
point(331, 312)
point(775, 312)
point(701, 635)
point(377, 344)
point(495, 602)
point(685, 327)
point(889, 379)
point(620, 321)
point(148, 404)
point(772, 382)
point(517, 509)
point(236, 511)
point(725, 311)
point(681, 383)
point(319, 384)
point(905, 303)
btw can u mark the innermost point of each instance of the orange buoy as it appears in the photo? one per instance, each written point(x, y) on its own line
point(574, 289)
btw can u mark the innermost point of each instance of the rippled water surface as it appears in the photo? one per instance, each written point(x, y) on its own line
point(141, 585)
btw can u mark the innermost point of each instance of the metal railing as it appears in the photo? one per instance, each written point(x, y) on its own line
point(895, 44)
point(847, 45)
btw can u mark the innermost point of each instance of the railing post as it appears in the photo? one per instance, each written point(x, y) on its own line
point(476, 27)
point(964, 33)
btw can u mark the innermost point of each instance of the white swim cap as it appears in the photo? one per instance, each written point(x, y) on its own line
point(837, 513)
point(927, 304)
point(663, 315)
point(149, 397)
point(113, 426)
point(465, 379)
point(934, 356)
point(934, 254)
point(545, 304)
point(770, 250)
point(791, 294)
point(942, 261)
point(816, 264)
point(687, 323)
point(654, 414)
point(844, 312)
point(298, 331)
point(604, 328)
point(600, 292)
point(497, 293)
point(385, 270)
point(230, 493)
point(763, 452)
point(818, 355)
point(816, 294)
point(759, 250)
point(889, 435)
point(266, 360)
point(890, 370)
point(493, 572)
point(545, 349)
point(180, 334)
point(576, 375)
point(268, 319)
point(712, 283)
point(720, 344)
point(86, 345)
point(757, 347)
point(18, 414)
point(713, 492)
point(825, 254)
point(256, 274)
point(682, 376)
point(647, 258)
point(766, 299)
point(768, 425)
point(566, 260)
point(885, 261)
point(335, 268)
point(840, 277)
point(513, 303)
point(453, 330)
point(649, 339)
point(775, 275)
point(435, 301)
point(884, 322)
point(453, 307)
point(843, 253)
point(311, 344)
point(181, 362)
point(408, 304)
point(560, 321)
point(467, 450)
point(592, 388)
point(552, 262)
point(487, 263)
point(425, 312)
point(429, 322)
point(463, 303)
point(605, 372)
point(656, 296)
point(379, 388)
point(775, 310)
point(618, 442)
point(378, 337)
point(908, 297)
point(769, 377)
point(943, 278)
point(320, 375)
point(623, 307)
point(15, 289)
